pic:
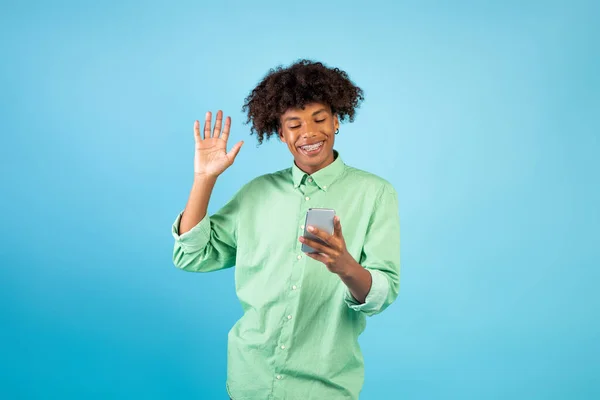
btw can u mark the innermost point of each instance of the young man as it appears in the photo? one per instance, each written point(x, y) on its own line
point(303, 312)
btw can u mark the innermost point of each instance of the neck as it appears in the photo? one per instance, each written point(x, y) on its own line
point(311, 169)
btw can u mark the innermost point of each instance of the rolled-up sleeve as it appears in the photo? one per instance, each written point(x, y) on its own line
point(193, 240)
point(211, 244)
point(381, 255)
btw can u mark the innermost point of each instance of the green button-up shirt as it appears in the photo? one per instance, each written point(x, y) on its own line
point(298, 336)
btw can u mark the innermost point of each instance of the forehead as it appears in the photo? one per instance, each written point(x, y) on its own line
point(307, 111)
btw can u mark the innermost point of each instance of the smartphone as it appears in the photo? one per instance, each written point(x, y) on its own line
point(320, 218)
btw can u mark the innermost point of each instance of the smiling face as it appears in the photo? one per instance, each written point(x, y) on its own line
point(309, 133)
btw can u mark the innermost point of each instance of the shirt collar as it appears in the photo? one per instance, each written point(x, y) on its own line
point(323, 177)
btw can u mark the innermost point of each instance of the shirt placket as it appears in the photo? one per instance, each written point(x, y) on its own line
point(307, 190)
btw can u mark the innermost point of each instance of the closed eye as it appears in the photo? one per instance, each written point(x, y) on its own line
point(321, 120)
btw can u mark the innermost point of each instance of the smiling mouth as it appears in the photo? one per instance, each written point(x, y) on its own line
point(312, 148)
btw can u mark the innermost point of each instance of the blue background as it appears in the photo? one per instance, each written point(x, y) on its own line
point(484, 116)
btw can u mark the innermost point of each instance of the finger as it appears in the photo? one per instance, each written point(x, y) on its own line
point(319, 257)
point(326, 237)
point(234, 151)
point(320, 247)
point(196, 130)
point(337, 227)
point(207, 120)
point(225, 134)
point(217, 130)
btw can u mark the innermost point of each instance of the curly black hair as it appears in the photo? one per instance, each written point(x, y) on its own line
point(299, 84)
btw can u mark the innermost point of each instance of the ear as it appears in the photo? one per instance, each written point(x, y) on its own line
point(280, 133)
point(336, 122)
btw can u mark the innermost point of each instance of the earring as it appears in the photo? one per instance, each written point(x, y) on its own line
point(338, 131)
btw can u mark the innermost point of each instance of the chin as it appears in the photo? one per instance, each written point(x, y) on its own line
point(313, 161)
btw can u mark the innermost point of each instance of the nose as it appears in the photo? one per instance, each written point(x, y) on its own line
point(310, 129)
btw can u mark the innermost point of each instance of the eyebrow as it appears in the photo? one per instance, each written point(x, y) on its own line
point(313, 114)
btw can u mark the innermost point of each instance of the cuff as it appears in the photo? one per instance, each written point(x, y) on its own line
point(196, 238)
point(376, 297)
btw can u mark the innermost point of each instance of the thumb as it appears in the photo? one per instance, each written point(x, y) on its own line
point(234, 151)
point(337, 226)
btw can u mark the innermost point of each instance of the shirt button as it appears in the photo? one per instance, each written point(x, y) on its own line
point(307, 198)
point(289, 317)
point(278, 377)
point(325, 187)
point(299, 257)
point(302, 227)
point(310, 179)
point(294, 287)
point(282, 347)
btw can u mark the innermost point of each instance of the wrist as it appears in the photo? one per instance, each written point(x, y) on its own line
point(350, 271)
point(201, 177)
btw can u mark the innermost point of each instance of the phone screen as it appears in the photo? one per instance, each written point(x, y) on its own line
point(320, 218)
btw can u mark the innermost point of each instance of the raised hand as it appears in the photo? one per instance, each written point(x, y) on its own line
point(211, 157)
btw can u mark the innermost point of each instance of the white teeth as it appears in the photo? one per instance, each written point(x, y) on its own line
point(312, 146)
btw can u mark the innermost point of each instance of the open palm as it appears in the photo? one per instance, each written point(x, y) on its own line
point(211, 157)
